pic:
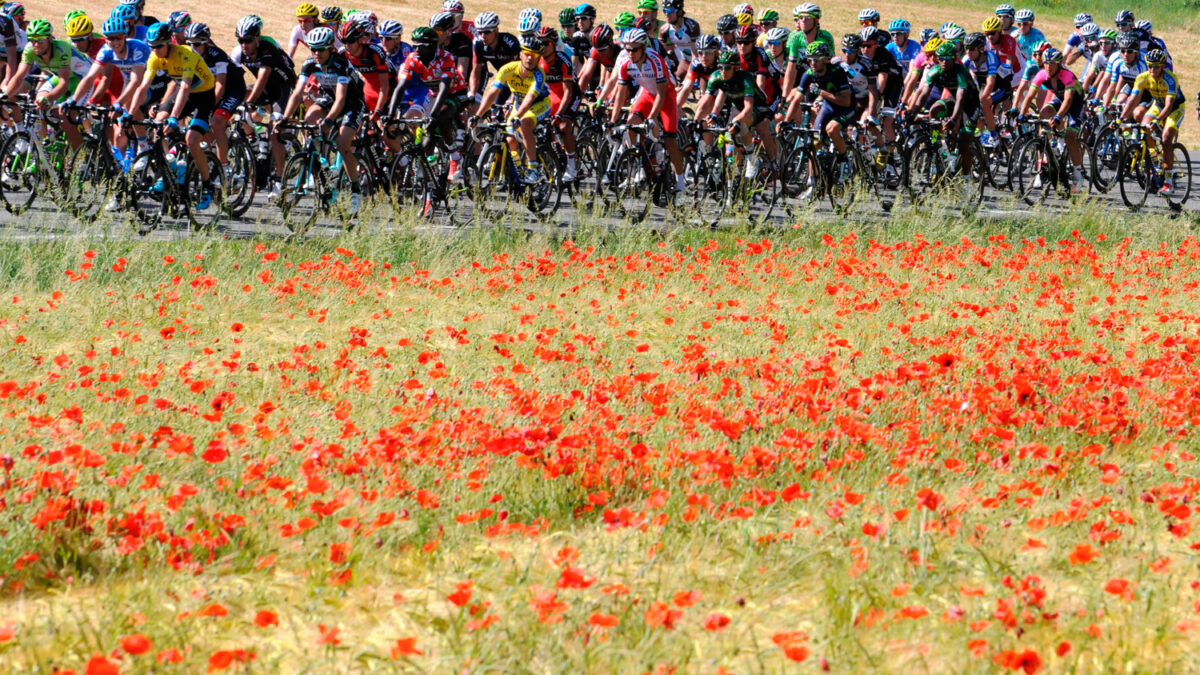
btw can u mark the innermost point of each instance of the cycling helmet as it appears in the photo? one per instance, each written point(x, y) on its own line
point(1024, 15)
point(391, 29)
point(159, 34)
point(487, 21)
point(424, 35)
point(124, 13)
point(370, 17)
point(1144, 25)
point(746, 33)
point(672, 5)
point(454, 7)
point(353, 31)
point(975, 41)
point(197, 32)
point(442, 21)
point(1040, 48)
point(1123, 18)
point(624, 21)
point(727, 58)
point(744, 8)
point(710, 43)
point(529, 21)
point(1127, 41)
point(136, 3)
point(931, 46)
point(71, 15)
point(566, 18)
point(899, 26)
point(869, 34)
point(744, 19)
point(308, 10)
point(647, 5)
point(1052, 55)
point(179, 21)
point(80, 26)
point(1156, 57)
point(819, 50)
point(947, 50)
point(548, 35)
point(331, 15)
point(945, 27)
point(17, 10)
point(113, 27)
point(851, 41)
point(320, 37)
point(1005, 10)
point(868, 14)
point(727, 23)
point(1089, 31)
point(635, 36)
point(585, 10)
point(954, 34)
point(250, 26)
point(768, 14)
point(645, 23)
point(531, 43)
point(1108, 34)
point(39, 29)
point(807, 9)
point(776, 34)
point(926, 34)
point(992, 24)
point(1082, 19)
point(601, 37)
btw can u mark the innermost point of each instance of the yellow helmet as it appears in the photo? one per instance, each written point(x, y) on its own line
point(80, 26)
point(745, 19)
point(931, 46)
point(992, 24)
point(306, 9)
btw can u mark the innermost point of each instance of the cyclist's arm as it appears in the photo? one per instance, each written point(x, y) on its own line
point(85, 84)
point(619, 103)
point(1130, 104)
point(703, 106)
point(872, 97)
point(260, 83)
point(14, 83)
point(219, 85)
point(685, 90)
point(789, 76)
point(294, 100)
point(746, 113)
point(464, 66)
point(568, 96)
point(339, 102)
point(988, 88)
point(489, 98)
point(476, 80)
point(381, 105)
point(1068, 96)
point(1168, 104)
point(12, 58)
point(443, 89)
point(910, 85)
point(585, 73)
point(842, 98)
point(659, 100)
point(607, 91)
point(959, 96)
point(126, 99)
point(1024, 97)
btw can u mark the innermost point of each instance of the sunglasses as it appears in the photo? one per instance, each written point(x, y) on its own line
point(670, 11)
point(727, 66)
point(634, 48)
point(1130, 51)
point(110, 38)
point(994, 33)
point(775, 43)
point(1026, 23)
point(318, 50)
point(80, 40)
point(745, 42)
point(487, 31)
point(160, 45)
point(849, 51)
point(246, 41)
point(899, 32)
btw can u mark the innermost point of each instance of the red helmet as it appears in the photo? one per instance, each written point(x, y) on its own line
point(353, 31)
point(747, 33)
point(602, 37)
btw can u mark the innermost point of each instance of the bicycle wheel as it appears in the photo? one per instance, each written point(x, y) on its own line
point(240, 176)
point(147, 189)
point(1182, 178)
point(974, 181)
point(1135, 178)
point(708, 188)
point(300, 196)
point(631, 185)
point(1104, 161)
point(544, 196)
point(1034, 172)
point(93, 179)
point(20, 173)
point(194, 189)
point(587, 178)
point(343, 187)
point(922, 170)
point(412, 182)
point(495, 181)
point(761, 192)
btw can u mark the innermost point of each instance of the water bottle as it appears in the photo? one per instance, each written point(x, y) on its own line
point(178, 166)
point(130, 153)
point(263, 149)
point(953, 161)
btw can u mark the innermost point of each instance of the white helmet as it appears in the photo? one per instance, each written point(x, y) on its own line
point(487, 21)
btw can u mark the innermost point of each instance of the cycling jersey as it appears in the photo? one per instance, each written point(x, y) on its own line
point(372, 65)
point(1058, 84)
point(739, 86)
point(62, 55)
point(1098, 63)
point(906, 55)
point(991, 65)
point(8, 33)
point(604, 58)
point(324, 80)
point(950, 77)
point(1076, 41)
point(396, 59)
point(509, 77)
point(650, 75)
point(558, 75)
point(299, 37)
point(219, 62)
point(1030, 71)
point(758, 63)
point(683, 37)
point(797, 44)
point(137, 53)
point(1157, 90)
point(505, 51)
point(1006, 48)
point(699, 71)
point(460, 45)
point(269, 55)
point(833, 80)
point(182, 62)
point(1124, 73)
point(856, 73)
point(1026, 42)
point(441, 66)
point(885, 62)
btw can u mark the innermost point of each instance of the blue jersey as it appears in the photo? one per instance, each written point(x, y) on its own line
point(136, 54)
point(906, 55)
point(1025, 43)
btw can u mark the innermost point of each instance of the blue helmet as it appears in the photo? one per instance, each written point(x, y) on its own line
point(114, 26)
point(899, 26)
point(125, 13)
point(158, 34)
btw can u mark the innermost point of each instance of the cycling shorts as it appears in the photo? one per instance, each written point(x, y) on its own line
point(200, 106)
point(830, 113)
point(1171, 121)
point(227, 106)
point(668, 114)
point(537, 112)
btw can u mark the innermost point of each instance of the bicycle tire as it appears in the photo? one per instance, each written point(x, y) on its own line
point(495, 181)
point(146, 192)
point(1183, 179)
point(240, 176)
point(193, 191)
point(630, 185)
point(1104, 159)
point(708, 188)
point(1134, 179)
point(93, 179)
point(20, 173)
point(1034, 171)
point(301, 195)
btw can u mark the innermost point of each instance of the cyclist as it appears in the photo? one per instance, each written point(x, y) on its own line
point(307, 15)
point(585, 23)
point(1003, 44)
point(870, 17)
point(274, 78)
point(1123, 71)
point(887, 76)
point(80, 32)
point(681, 31)
point(128, 14)
point(371, 63)
point(332, 18)
point(703, 65)
point(767, 19)
point(1007, 15)
point(1064, 104)
point(857, 68)
point(11, 47)
point(139, 7)
point(903, 49)
point(1158, 98)
point(429, 67)
point(1094, 77)
point(1077, 44)
point(751, 59)
point(1150, 42)
point(194, 95)
point(600, 60)
point(727, 25)
point(391, 35)
point(1025, 34)
point(179, 22)
point(916, 73)
point(454, 41)
point(338, 101)
point(229, 89)
point(522, 78)
point(775, 46)
point(994, 80)
point(492, 48)
point(731, 87)
point(58, 59)
point(649, 9)
point(457, 9)
point(655, 97)
point(953, 79)
point(559, 76)
point(828, 87)
point(808, 32)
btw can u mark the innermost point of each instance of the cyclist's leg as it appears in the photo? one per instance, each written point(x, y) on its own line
point(347, 132)
point(220, 126)
point(200, 106)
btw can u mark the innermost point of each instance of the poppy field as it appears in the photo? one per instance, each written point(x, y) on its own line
point(711, 453)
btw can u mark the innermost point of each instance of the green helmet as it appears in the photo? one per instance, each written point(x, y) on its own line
point(819, 50)
point(72, 14)
point(567, 17)
point(768, 15)
point(947, 50)
point(728, 56)
point(625, 20)
point(648, 4)
point(38, 29)
point(1109, 34)
point(424, 35)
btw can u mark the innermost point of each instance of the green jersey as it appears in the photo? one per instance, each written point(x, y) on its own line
point(737, 88)
point(797, 44)
point(950, 76)
point(62, 55)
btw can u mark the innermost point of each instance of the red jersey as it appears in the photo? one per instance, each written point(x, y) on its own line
point(441, 66)
point(372, 64)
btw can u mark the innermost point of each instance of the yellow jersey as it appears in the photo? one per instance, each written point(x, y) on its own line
point(1158, 89)
point(183, 63)
point(509, 76)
